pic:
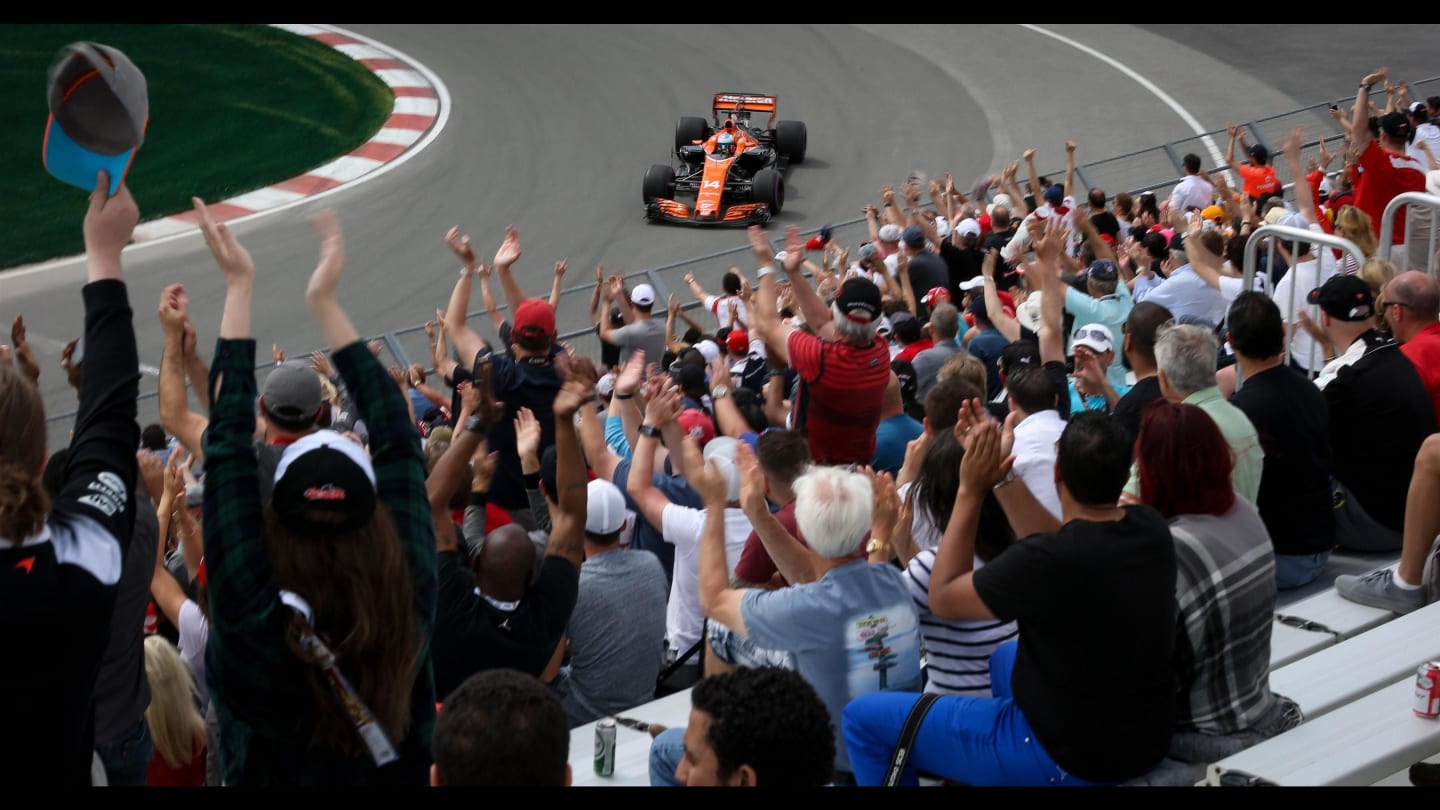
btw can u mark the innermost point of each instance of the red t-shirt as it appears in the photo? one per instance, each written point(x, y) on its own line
point(1384, 176)
point(1424, 351)
point(843, 389)
point(755, 565)
point(191, 774)
point(908, 353)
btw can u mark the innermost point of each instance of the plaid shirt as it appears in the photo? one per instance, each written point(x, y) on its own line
point(260, 688)
point(1225, 589)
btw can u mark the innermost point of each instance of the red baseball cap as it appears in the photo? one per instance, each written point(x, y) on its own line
point(936, 295)
point(738, 342)
point(535, 318)
point(697, 425)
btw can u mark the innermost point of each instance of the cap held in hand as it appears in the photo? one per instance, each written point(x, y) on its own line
point(99, 108)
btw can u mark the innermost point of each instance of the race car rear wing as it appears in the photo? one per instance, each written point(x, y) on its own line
point(730, 102)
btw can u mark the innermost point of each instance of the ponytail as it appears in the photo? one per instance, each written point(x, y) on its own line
point(24, 504)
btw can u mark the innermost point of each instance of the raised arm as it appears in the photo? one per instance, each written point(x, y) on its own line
point(1052, 292)
point(467, 342)
point(815, 311)
point(1070, 169)
point(718, 600)
point(567, 534)
point(560, 268)
point(695, 288)
point(1360, 136)
point(1008, 326)
point(1230, 147)
point(1033, 181)
point(175, 414)
point(796, 563)
point(766, 320)
point(487, 298)
point(168, 595)
point(1304, 197)
point(505, 256)
point(641, 484)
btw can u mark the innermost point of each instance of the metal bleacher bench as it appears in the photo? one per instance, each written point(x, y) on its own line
point(1317, 622)
point(1357, 697)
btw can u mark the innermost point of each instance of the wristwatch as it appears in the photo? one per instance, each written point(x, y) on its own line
point(474, 425)
point(650, 430)
point(720, 392)
point(876, 544)
point(1008, 479)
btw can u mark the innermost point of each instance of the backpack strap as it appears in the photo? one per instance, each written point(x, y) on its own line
point(901, 757)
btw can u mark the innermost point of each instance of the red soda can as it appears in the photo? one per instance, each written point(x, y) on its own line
point(1427, 689)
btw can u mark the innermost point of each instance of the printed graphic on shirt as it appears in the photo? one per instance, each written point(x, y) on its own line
point(107, 494)
point(882, 648)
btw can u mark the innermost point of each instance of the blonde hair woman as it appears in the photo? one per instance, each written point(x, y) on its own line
point(1355, 225)
point(174, 719)
point(1376, 273)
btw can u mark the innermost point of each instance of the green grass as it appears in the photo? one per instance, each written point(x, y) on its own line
point(232, 108)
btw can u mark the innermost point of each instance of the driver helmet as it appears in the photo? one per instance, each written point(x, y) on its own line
point(725, 144)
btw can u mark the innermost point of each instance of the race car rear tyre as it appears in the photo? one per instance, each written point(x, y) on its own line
point(691, 128)
point(769, 188)
point(659, 182)
point(790, 139)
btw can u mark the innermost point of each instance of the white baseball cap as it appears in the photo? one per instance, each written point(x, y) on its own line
point(604, 508)
point(643, 295)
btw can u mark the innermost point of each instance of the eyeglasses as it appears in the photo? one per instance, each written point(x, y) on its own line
point(1300, 623)
point(1385, 305)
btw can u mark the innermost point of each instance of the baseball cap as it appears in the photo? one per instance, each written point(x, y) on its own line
point(1344, 298)
point(859, 300)
point(605, 386)
point(697, 425)
point(292, 392)
point(885, 327)
point(1095, 336)
point(737, 341)
point(324, 482)
point(968, 227)
point(689, 375)
point(867, 250)
point(1055, 195)
point(643, 295)
point(889, 233)
point(1395, 124)
point(1028, 312)
point(535, 318)
point(1274, 215)
point(99, 108)
point(909, 385)
point(1258, 152)
point(815, 242)
point(972, 284)
point(942, 227)
point(709, 349)
point(1419, 108)
point(1103, 270)
point(721, 450)
point(914, 236)
point(935, 296)
point(1214, 213)
point(604, 508)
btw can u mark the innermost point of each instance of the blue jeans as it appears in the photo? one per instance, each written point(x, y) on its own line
point(666, 751)
point(127, 761)
point(975, 741)
point(1294, 570)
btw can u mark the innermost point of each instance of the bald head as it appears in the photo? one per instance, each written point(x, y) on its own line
point(506, 563)
point(1412, 302)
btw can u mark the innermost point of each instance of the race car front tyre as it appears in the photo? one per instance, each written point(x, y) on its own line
point(769, 187)
point(790, 140)
point(659, 182)
point(689, 129)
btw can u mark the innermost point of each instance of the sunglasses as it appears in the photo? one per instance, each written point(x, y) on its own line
point(1092, 333)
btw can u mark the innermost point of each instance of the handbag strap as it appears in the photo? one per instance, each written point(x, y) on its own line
point(903, 745)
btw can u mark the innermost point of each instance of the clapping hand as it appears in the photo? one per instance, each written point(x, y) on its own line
point(983, 464)
point(462, 248)
point(578, 389)
point(234, 260)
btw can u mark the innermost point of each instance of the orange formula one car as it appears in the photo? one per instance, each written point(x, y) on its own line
point(728, 171)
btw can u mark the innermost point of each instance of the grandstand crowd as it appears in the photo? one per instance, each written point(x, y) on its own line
point(1003, 495)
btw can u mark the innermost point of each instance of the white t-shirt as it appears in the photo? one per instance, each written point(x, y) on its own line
point(1035, 457)
point(194, 633)
point(1192, 192)
point(719, 305)
point(682, 527)
point(1430, 134)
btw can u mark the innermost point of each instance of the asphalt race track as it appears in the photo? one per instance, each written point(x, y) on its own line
point(552, 127)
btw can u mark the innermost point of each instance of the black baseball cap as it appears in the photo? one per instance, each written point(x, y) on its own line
point(859, 300)
point(1344, 298)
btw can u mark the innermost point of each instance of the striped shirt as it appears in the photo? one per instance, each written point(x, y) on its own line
point(842, 391)
point(957, 653)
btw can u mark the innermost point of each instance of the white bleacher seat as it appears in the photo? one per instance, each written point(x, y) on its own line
point(1360, 665)
point(1360, 743)
point(1326, 609)
point(632, 747)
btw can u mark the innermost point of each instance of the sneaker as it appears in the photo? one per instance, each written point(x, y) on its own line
point(1378, 589)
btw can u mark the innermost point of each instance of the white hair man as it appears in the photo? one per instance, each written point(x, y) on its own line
point(851, 624)
point(844, 366)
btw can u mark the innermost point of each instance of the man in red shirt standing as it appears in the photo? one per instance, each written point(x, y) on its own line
point(844, 366)
point(1411, 307)
point(1385, 169)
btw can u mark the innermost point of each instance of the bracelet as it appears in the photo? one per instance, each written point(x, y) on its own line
point(876, 544)
point(767, 270)
point(474, 425)
point(532, 480)
point(650, 430)
point(1366, 87)
point(619, 395)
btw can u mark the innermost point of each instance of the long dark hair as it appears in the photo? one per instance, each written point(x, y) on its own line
point(359, 588)
point(1184, 461)
point(936, 487)
point(23, 501)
